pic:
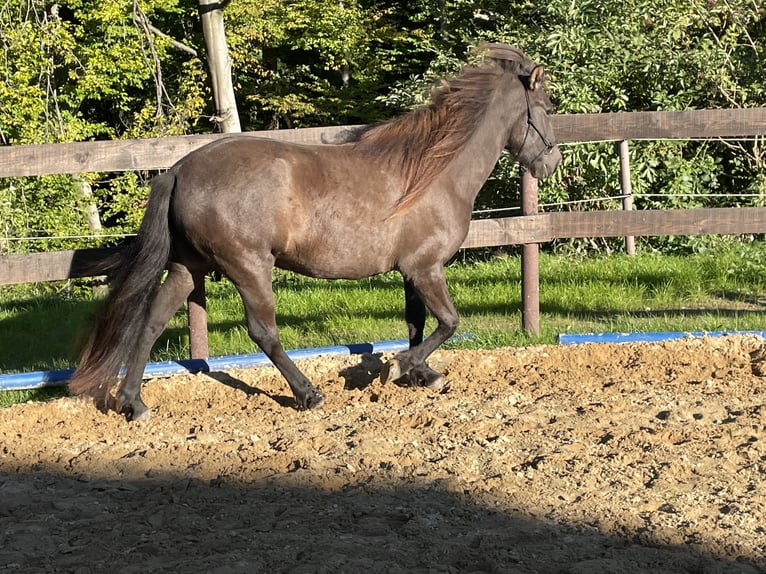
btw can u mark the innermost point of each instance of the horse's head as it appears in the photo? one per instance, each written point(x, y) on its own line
point(533, 142)
point(531, 138)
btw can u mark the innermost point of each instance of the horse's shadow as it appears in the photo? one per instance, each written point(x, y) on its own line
point(361, 376)
point(357, 377)
point(234, 383)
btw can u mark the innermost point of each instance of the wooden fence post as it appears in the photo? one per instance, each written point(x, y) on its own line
point(530, 261)
point(219, 63)
point(627, 192)
point(196, 313)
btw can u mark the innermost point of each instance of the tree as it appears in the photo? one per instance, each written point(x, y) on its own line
point(211, 15)
point(84, 69)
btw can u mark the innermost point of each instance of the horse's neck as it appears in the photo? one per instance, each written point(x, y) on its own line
point(475, 162)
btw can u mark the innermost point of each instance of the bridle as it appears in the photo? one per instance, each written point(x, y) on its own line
point(531, 124)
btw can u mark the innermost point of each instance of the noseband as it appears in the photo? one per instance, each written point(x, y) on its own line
point(531, 124)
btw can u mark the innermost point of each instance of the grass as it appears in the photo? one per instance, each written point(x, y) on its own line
point(40, 327)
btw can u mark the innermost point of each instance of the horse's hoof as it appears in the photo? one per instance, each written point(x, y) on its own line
point(136, 411)
point(436, 383)
point(391, 371)
point(423, 376)
point(105, 404)
point(314, 400)
point(143, 415)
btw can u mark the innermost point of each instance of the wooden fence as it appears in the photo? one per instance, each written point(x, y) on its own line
point(530, 229)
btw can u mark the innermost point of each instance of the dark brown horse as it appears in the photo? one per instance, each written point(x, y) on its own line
point(394, 196)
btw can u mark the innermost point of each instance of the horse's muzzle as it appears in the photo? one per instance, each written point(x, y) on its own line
point(546, 163)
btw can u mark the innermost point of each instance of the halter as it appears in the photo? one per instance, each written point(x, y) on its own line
point(531, 124)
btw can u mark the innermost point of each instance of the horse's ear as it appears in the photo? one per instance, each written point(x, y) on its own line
point(536, 78)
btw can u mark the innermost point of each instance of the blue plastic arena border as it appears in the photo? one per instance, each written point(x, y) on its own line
point(578, 338)
point(41, 379)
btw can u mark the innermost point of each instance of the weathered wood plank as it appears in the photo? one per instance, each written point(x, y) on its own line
point(545, 227)
point(660, 125)
point(51, 265)
point(540, 228)
point(128, 155)
point(703, 221)
point(159, 153)
point(505, 231)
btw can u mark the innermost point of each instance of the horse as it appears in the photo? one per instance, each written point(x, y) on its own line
point(392, 196)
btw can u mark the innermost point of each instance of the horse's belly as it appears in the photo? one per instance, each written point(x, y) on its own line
point(344, 258)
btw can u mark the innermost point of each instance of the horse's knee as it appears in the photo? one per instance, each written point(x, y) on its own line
point(266, 338)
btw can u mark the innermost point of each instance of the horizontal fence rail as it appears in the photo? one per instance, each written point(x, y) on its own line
point(52, 265)
point(682, 125)
point(129, 155)
point(160, 153)
point(545, 227)
point(539, 228)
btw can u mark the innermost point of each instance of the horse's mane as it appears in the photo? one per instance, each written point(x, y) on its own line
point(423, 142)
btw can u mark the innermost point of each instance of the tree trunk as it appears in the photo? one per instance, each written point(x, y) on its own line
point(91, 211)
point(211, 14)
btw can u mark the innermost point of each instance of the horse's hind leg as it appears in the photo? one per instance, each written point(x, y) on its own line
point(254, 286)
point(430, 286)
point(170, 296)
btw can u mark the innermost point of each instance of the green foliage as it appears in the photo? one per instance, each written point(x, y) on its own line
point(75, 70)
point(314, 62)
point(84, 69)
point(31, 208)
point(614, 56)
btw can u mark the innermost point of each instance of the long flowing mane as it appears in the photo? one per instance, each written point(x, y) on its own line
point(423, 142)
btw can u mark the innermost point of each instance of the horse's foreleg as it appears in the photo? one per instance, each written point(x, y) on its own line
point(170, 296)
point(255, 289)
point(421, 375)
point(430, 288)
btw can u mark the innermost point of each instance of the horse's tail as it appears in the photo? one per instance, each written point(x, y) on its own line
point(118, 326)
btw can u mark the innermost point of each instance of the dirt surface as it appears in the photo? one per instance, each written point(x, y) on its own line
point(590, 459)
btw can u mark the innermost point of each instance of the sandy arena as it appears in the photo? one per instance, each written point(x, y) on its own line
point(589, 459)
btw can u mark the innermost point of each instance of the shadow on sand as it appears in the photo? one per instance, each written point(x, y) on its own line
point(54, 523)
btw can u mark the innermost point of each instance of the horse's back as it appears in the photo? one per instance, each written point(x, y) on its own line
point(263, 168)
point(318, 209)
